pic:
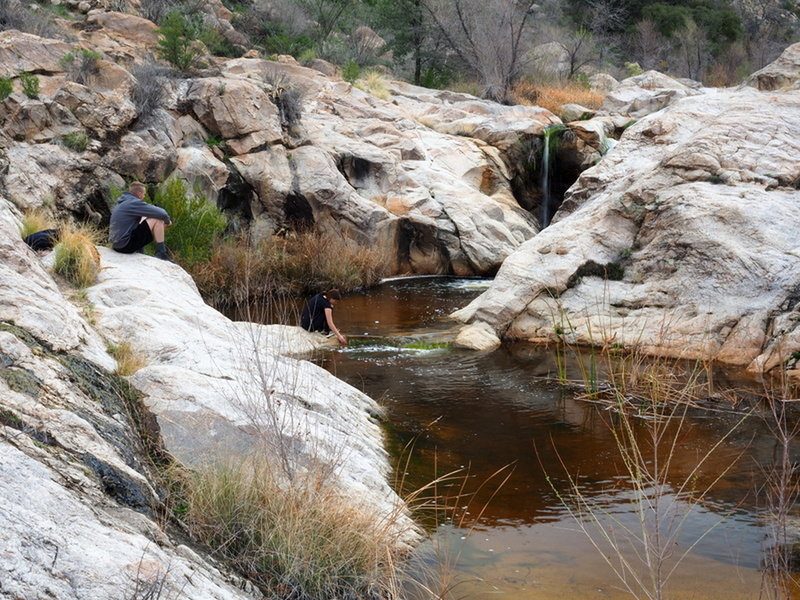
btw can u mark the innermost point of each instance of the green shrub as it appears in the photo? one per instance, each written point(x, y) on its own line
point(307, 56)
point(196, 224)
point(6, 87)
point(30, 84)
point(633, 69)
point(175, 42)
point(351, 71)
point(76, 140)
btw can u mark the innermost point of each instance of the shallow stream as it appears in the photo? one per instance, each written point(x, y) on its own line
point(480, 412)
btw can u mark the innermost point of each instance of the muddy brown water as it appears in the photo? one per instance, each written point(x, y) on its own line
point(480, 412)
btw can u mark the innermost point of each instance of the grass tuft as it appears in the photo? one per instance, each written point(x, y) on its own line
point(306, 542)
point(128, 360)
point(374, 83)
point(75, 256)
point(33, 221)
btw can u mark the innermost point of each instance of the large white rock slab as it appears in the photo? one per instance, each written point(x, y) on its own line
point(220, 388)
point(681, 241)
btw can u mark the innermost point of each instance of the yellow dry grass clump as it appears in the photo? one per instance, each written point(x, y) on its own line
point(33, 221)
point(75, 255)
point(374, 83)
point(128, 360)
point(553, 97)
point(307, 541)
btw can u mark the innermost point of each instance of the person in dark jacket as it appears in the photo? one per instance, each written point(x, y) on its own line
point(135, 223)
point(318, 314)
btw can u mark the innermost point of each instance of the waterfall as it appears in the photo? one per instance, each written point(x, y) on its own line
point(550, 136)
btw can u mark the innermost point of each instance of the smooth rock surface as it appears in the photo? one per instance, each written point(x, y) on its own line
point(219, 388)
point(682, 240)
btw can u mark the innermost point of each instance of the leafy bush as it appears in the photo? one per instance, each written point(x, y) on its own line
point(30, 84)
point(76, 140)
point(633, 69)
point(351, 71)
point(195, 222)
point(279, 267)
point(75, 256)
point(6, 87)
point(175, 42)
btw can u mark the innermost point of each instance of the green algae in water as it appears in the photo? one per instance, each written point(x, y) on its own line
point(418, 345)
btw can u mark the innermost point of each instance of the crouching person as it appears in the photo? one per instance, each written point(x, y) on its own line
point(135, 223)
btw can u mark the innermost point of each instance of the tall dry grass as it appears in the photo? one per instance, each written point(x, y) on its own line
point(301, 541)
point(33, 221)
point(240, 271)
point(553, 96)
point(75, 256)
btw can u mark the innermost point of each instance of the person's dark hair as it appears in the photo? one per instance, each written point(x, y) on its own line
point(333, 295)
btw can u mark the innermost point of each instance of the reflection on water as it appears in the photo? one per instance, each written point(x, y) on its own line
point(481, 411)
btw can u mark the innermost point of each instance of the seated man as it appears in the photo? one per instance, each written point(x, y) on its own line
point(135, 223)
point(318, 314)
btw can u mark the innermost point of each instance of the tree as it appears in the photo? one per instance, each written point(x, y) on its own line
point(491, 37)
point(175, 42)
point(406, 21)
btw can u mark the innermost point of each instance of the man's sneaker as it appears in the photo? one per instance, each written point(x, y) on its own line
point(163, 254)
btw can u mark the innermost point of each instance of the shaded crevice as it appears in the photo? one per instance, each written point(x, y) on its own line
point(235, 200)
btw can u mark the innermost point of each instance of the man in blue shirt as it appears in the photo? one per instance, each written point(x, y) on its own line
point(135, 223)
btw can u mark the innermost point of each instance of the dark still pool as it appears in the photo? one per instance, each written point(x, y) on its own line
point(547, 500)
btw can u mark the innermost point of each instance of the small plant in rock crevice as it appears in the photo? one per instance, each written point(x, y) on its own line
point(81, 65)
point(128, 360)
point(76, 140)
point(30, 84)
point(6, 87)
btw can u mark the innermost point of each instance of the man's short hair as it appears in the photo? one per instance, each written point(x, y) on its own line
point(137, 188)
point(333, 295)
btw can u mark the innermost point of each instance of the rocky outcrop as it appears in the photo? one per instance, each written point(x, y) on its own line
point(645, 94)
point(680, 241)
point(219, 388)
point(424, 177)
point(783, 73)
point(80, 512)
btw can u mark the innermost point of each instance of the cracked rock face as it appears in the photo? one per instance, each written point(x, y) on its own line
point(682, 240)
